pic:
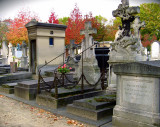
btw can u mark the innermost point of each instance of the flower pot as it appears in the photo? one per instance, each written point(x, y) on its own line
point(13, 67)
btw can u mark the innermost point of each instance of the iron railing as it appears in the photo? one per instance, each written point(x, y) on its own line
point(58, 79)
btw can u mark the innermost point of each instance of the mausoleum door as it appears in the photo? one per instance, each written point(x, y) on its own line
point(33, 56)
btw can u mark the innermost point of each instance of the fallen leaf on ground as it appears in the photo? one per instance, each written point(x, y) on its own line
point(1, 96)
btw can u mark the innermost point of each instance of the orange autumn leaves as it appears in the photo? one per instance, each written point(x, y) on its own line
point(17, 31)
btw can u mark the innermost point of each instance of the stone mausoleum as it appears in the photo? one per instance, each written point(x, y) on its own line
point(46, 41)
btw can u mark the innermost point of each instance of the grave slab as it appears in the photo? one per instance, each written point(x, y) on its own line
point(91, 109)
point(13, 77)
point(66, 97)
point(28, 89)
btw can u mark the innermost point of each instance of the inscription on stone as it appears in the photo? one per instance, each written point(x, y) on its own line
point(137, 92)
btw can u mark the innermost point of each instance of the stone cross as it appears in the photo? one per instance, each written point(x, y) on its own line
point(72, 48)
point(137, 26)
point(88, 38)
point(24, 49)
point(126, 14)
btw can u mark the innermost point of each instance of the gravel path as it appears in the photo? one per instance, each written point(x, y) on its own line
point(18, 114)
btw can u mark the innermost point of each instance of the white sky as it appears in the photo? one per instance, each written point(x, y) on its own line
point(63, 8)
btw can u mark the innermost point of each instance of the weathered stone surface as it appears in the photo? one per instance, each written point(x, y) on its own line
point(12, 77)
point(91, 109)
point(8, 88)
point(136, 68)
point(138, 95)
point(65, 97)
point(28, 89)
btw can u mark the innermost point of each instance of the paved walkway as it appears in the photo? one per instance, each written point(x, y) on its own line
point(17, 114)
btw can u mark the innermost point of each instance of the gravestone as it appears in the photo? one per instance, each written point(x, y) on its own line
point(126, 47)
point(138, 95)
point(155, 50)
point(24, 62)
point(90, 66)
point(10, 55)
point(4, 52)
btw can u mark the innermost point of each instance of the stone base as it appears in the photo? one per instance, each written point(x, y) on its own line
point(28, 89)
point(91, 109)
point(128, 118)
point(90, 69)
point(49, 101)
point(8, 88)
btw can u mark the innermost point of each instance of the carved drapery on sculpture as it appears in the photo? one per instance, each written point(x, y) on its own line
point(127, 44)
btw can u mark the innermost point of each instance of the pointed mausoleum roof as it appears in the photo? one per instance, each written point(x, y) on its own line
point(34, 22)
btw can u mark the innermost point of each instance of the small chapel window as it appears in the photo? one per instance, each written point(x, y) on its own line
point(51, 41)
point(51, 32)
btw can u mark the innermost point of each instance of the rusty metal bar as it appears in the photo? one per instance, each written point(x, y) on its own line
point(63, 71)
point(82, 82)
point(56, 85)
point(38, 90)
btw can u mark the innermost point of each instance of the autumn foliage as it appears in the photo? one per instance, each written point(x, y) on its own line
point(75, 24)
point(53, 18)
point(17, 30)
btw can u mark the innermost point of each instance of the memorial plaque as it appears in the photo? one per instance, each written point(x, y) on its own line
point(138, 91)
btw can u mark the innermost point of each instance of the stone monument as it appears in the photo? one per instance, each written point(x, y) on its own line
point(126, 47)
point(10, 55)
point(138, 95)
point(24, 61)
point(4, 53)
point(90, 66)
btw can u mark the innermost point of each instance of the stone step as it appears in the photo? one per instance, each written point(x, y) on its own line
point(28, 89)
point(49, 101)
point(89, 113)
point(94, 105)
point(14, 77)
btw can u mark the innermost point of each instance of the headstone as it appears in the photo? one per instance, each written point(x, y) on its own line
point(24, 62)
point(4, 53)
point(72, 43)
point(10, 56)
point(138, 95)
point(155, 50)
point(90, 66)
point(126, 47)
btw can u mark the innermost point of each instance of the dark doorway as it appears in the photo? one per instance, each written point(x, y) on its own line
point(33, 56)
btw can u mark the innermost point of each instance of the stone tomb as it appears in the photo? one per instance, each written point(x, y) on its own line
point(46, 41)
point(138, 95)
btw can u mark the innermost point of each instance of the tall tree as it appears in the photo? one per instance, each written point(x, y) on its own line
point(3, 30)
point(150, 13)
point(63, 20)
point(53, 18)
point(112, 28)
point(75, 24)
point(98, 22)
point(17, 30)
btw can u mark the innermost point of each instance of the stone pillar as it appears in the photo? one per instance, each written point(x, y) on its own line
point(24, 62)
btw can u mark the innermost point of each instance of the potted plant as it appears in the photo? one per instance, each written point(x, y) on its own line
point(13, 65)
point(64, 69)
